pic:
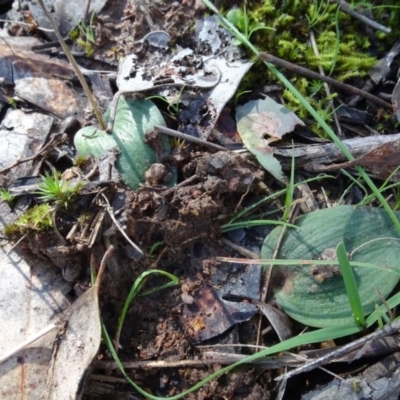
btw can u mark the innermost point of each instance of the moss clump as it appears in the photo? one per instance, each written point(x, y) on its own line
point(35, 219)
point(345, 49)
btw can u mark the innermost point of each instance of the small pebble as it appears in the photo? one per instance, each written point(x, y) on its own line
point(70, 125)
point(187, 298)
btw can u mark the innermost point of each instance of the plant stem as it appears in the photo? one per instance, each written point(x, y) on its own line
point(75, 66)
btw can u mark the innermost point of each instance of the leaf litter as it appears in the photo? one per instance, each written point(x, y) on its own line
point(181, 220)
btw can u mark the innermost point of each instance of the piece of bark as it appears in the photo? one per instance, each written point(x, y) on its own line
point(319, 157)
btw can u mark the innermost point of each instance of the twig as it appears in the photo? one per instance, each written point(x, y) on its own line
point(75, 66)
point(14, 246)
point(53, 141)
point(179, 185)
point(214, 358)
point(27, 342)
point(87, 8)
point(109, 209)
point(56, 231)
point(315, 75)
point(242, 250)
point(24, 23)
point(102, 267)
point(188, 138)
point(147, 16)
point(346, 7)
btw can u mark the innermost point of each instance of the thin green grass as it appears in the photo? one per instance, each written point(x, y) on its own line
point(252, 223)
point(135, 290)
point(87, 29)
point(318, 335)
point(55, 189)
point(350, 284)
point(290, 190)
point(270, 197)
point(320, 121)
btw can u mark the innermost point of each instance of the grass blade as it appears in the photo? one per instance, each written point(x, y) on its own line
point(350, 284)
point(135, 289)
point(328, 130)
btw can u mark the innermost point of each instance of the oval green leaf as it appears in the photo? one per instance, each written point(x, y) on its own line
point(369, 236)
point(134, 118)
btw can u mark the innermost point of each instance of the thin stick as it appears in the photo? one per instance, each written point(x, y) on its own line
point(111, 214)
point(214, 358)
point(24, 23)
point(85, 17)
point(27, 342)
point(102, 268)
point(75, 66)
point(186, 182)
point(346, 7)
point(242, 250)
point(14, 246)
point(315, 75)
point(53, 141)
point(188, 138)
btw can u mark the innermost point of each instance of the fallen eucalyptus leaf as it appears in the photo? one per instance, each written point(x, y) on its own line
point(33, 295)
point(369, 236)
point(77, 349)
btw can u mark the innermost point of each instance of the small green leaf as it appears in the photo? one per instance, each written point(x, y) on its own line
point(234, 15)
point(134, 118)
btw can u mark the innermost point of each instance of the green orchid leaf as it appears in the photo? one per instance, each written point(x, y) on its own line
point(134, 118)
point(316, 295)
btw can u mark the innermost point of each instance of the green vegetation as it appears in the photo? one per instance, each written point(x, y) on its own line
point(173, 105)
point(343, 51)
point(54, 189)
point(79, 160)
point(154, 247)
point(351, 284)
point(136, 290)
point(84, 35)
point(35, 219)
point(12, 101)
point(5, 195)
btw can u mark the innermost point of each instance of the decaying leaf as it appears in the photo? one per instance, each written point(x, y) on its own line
point(37, 78)
point(201, 324)
point(278, 319)
point(77, 349)
point(261, 122)
point(32, 294)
